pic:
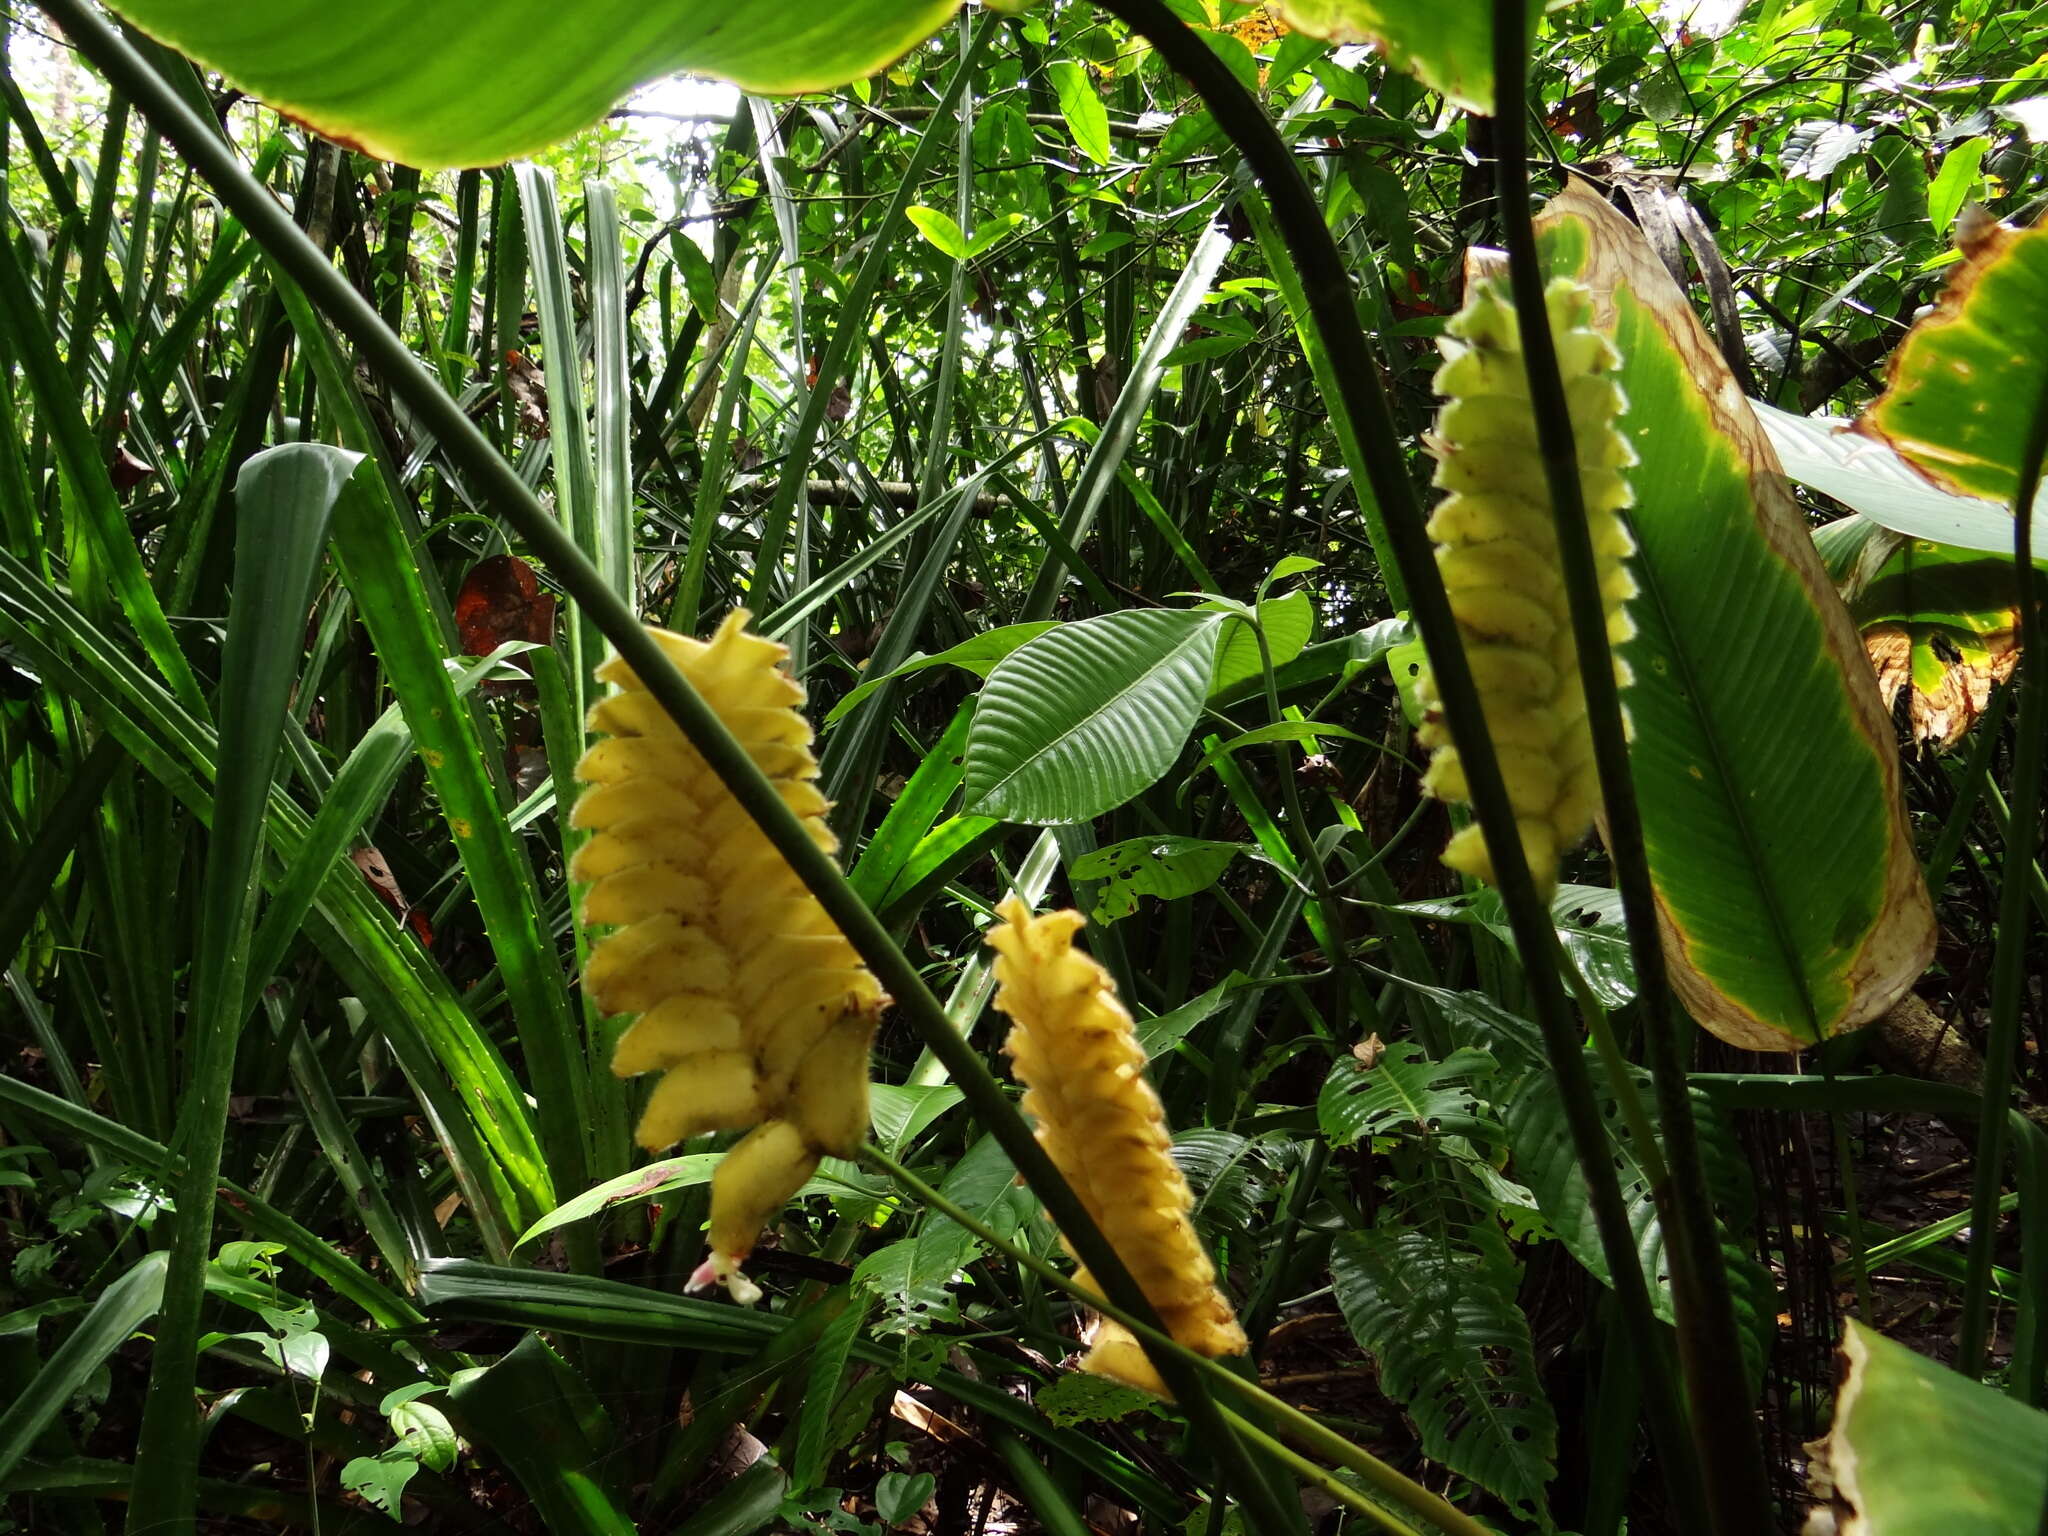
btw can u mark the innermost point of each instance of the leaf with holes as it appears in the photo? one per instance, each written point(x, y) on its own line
point(1088, 715)
point(1164, 867)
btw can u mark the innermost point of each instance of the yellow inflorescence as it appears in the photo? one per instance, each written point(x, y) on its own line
point(1497, 550)
point(748, 1000)
point(1076, 1051)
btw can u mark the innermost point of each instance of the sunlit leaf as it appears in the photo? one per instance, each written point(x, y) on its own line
point(445, 82)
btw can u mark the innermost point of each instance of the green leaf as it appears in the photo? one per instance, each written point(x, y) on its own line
point(1917, 1449)
point(1439, 1318)
point(978, 655)
point(628, 1188)
point(1541, 1143)
point(121, 1308)
point(1447, 44)
point(940, 229)
point(424, 1430)
point(1954, 182)
point(1288, 622)
point(537, 1415)
point(1967, 379)
point(1085, 717)
point(1589, 925)
point(1403, 1094)
point(437, 83)
point(1165, 867)
point(900, 1495)
point(1788, 889)
point(380, 1480)
point(1081, 105)
point(1828, 454)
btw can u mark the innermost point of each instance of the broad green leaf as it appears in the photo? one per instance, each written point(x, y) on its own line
point(1448, 45)
point(1086, 716)
point(978, 655)
point(1968, 378)
point(1165, 867)
point(1918, 1449)
point(439, 83)
point(941, 230)
point(1828, 454)
point(1081, 105)
point(1954, 182)
point(1288, 622)
point(1788, 891)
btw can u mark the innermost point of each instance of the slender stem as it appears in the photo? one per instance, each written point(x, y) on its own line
point(1337, 1489)
point(1327, 288)
point(499, 484)
point(1723, 1421)
point(2015, 920)
point(1410, 1495)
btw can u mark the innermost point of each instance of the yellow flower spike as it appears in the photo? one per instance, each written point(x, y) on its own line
point(747, 998)
point(1497, 550)
point(1075, 1049)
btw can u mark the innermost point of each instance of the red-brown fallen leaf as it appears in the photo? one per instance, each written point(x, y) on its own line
point(385, 884)
point(501, 600)
point(840, 405)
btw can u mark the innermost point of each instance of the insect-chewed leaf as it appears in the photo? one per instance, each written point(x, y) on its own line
point(1497, 551)
point(1075, 1049)
point(749, 1001)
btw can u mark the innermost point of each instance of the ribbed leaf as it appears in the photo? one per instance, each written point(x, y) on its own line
point(1088, 715)
point(1402, 1094)
point(1440, 1320)
point(445, 82)
point(1788, 891)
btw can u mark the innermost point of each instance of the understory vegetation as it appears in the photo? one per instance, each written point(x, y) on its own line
point(1160, 433)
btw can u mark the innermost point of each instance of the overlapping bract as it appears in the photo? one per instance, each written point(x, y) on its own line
point(1497, 550)
point(749, 1001)
point(1075, 1049)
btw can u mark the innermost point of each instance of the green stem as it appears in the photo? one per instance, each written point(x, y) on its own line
point(2015, 920)
point(1326, 286)
point(1410, 1495)
point(1724, 1429)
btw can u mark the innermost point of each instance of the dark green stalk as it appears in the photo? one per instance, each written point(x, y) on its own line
point(1327, 288)
point(2009, 965)
point(1723, 1421)
point(498, 483)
